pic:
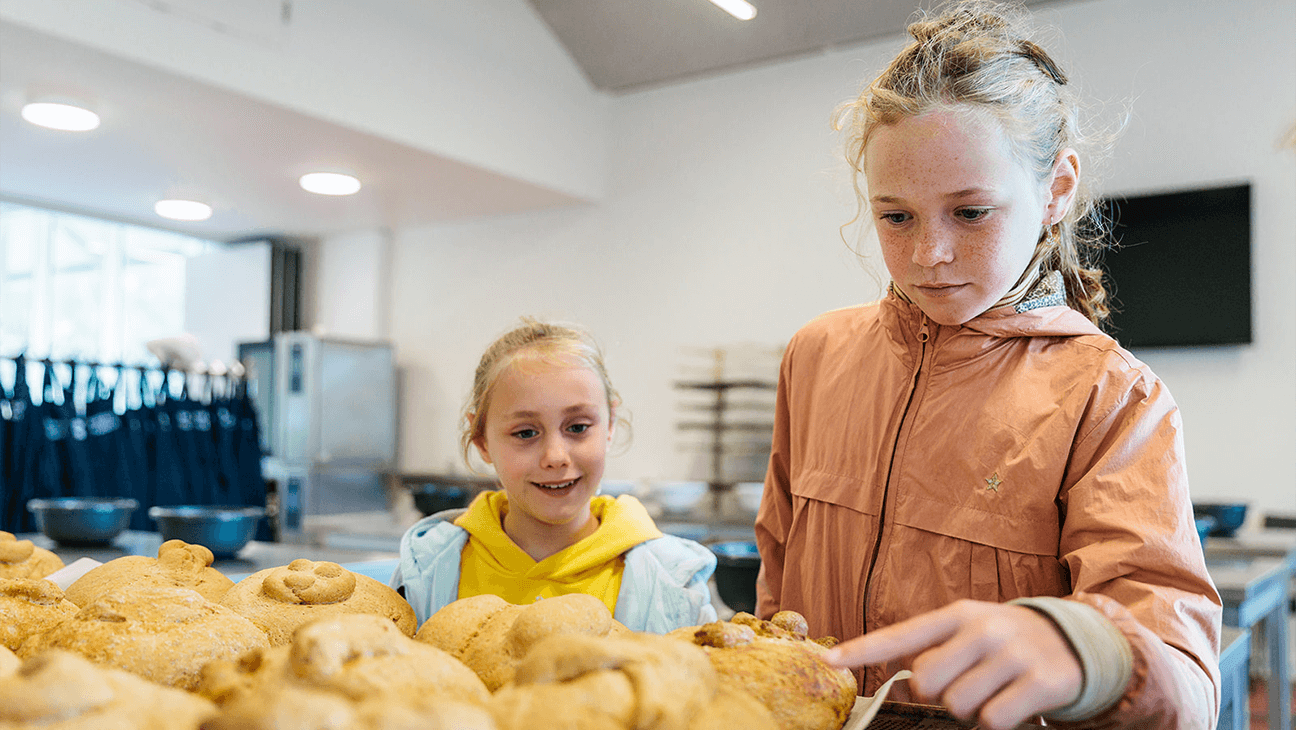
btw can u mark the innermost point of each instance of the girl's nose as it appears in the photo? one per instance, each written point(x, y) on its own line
point(555, 452)
point(932, 247)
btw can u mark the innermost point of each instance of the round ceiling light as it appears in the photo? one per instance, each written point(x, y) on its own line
point(63, 117)
point(183, 210)
point(329, 183)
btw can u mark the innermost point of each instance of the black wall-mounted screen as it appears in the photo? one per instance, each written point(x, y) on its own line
point(1181, 268)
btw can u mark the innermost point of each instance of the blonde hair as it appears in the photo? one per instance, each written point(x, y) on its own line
point(551, 341)
point(976, 53)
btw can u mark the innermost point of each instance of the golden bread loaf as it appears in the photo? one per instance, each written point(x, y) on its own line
point(298, 707)
point(177, 564)
point(491, 635)
point(353, 655)
point(348, 670)
point(22, 559)
point(162, 633)
point(633, 680)
point(278, 600)
point(777, 664)
point(9, 662)
point(58, 690)
point(29, 606)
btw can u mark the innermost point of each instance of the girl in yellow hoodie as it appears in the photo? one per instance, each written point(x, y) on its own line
point(542, 412)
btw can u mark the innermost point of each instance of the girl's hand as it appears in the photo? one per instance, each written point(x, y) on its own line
point(1000, 663)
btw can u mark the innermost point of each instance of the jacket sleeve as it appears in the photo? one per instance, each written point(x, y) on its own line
point(1130, 543)
point(774, 517)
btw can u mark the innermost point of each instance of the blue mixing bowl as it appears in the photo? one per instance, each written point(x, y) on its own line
point(221, 529)
point(82, 521)
point(1229, 516)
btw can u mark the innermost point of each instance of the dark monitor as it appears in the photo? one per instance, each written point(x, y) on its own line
point(1180, 273)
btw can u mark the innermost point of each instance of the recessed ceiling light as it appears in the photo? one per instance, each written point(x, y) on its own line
point(329, 183)
point(63, 117)
point(740, 9)
point(183, 210)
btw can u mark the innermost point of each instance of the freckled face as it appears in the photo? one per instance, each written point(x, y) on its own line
point(958, 217)
point(547, 432)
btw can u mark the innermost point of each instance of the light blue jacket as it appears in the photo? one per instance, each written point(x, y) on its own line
point(664, 586)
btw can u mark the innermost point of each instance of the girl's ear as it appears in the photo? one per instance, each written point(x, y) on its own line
point(1063, 185)
point(612, 411)
point(480, 443)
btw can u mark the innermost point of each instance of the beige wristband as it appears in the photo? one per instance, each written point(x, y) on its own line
point(1106, 658)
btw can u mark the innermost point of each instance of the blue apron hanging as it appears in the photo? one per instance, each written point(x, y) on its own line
point(19, 443)
point(170, 483)
point(64, 464)
point(247, 450)
point(106, 439)
point(192, 424)
point(139, 431)
point(6, 443)
point(225, 433)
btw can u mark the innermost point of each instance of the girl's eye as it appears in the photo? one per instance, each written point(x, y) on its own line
point(526, 433)
point(894, 219)
point(972, 214)
point(578, 427)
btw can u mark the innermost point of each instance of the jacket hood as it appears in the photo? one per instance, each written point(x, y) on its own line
point(1007, 321)
point(623, 524)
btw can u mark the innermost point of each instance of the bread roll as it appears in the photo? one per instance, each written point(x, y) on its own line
point(29, 606)
point(577, 682)
point(349, 670)
point(178, 564)
point(777, 664)
point(298, 707)
point(354, 655)
point(162, 633)
point(491, 635)
point(22, 559)
point(278, 600)
point(59, 690)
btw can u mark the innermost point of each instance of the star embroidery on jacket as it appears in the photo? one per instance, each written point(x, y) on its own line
point(993, 482)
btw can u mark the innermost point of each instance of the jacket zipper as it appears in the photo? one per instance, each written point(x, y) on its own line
point(924, 334)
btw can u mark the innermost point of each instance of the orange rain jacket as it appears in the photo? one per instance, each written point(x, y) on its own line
point(1020, 454)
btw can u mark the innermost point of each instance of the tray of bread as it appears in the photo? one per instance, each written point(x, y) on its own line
point(168, 642)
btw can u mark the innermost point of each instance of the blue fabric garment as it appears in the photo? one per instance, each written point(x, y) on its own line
point(664, 586)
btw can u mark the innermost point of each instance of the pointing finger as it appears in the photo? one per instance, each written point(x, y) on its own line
point(897, 640)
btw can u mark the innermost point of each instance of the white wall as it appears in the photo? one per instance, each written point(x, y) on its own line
point(354, 269)
point(720, 226)
point(227, 299)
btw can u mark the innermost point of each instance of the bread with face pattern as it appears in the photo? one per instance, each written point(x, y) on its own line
point(278, 600)
point(178, 564)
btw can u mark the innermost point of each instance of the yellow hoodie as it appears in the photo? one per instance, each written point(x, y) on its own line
point(493, 563)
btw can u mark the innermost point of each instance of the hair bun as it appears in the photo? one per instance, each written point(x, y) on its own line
point(961, 20)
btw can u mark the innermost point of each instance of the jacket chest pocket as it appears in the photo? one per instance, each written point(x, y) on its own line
point(985, 480)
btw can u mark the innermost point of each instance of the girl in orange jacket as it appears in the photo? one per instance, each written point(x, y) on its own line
point(968, 478)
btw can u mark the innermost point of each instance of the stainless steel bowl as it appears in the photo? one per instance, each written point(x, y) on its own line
point(82, 521)
point(222, 529)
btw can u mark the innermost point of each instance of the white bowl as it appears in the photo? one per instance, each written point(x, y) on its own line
point(678, 497)
point(748, 495)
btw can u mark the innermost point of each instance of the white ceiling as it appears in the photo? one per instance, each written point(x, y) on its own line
point(164, 135)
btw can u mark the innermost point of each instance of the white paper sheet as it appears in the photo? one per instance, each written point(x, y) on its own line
point(867, 707)
point(65, 576)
